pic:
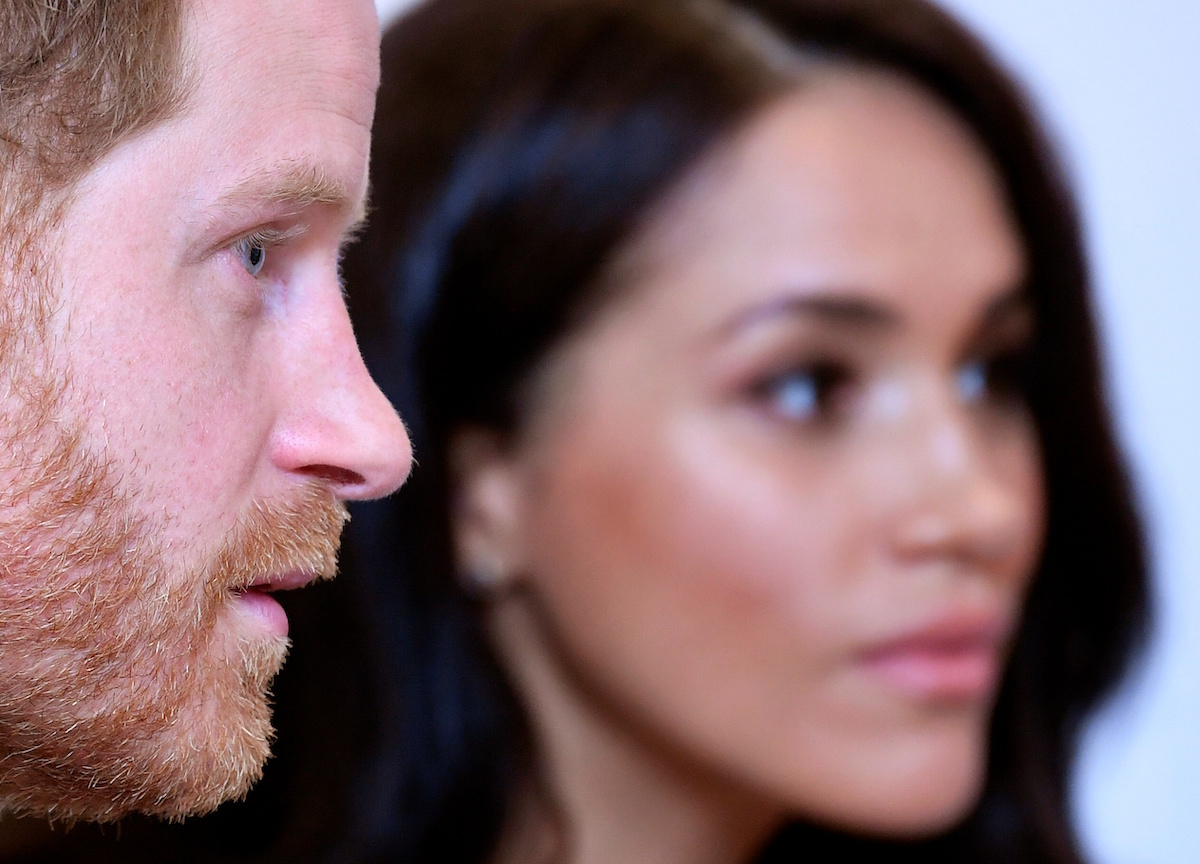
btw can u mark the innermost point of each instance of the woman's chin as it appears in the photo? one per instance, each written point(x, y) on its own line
point(930, 794)
point(925, 814)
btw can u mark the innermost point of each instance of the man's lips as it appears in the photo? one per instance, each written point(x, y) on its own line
point(956, 657)
point(282, 581)
point(255, 598)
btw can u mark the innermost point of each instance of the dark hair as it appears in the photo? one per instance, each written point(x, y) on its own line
point(517, 144)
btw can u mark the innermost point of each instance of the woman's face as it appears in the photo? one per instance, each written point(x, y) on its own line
point(780, 501)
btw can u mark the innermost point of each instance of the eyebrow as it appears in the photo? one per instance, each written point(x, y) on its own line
point(845, 311)
point(291, 186)
point(1015, 302)
point(858, 313)
point(1014, 309)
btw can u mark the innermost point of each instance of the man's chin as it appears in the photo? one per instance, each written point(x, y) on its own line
point(184, 747)
point(219, 744)
point(227, 741)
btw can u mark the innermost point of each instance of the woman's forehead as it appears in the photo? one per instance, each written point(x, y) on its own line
point(860, 181)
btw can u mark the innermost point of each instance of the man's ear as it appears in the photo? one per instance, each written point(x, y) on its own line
point(487, 511)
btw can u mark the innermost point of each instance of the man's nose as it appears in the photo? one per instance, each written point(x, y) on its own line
point(337, 425)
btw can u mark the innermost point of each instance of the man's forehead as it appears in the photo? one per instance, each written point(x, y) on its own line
point(328, 49)
point(291, 98)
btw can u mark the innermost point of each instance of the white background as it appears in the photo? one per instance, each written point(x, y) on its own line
point(1119, 85)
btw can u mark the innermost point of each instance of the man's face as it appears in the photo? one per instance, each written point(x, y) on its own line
point(196, 409)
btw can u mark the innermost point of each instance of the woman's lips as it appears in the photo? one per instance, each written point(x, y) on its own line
point(955, 659)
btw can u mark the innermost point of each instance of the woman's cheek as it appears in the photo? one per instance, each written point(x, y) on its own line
point(690, 575)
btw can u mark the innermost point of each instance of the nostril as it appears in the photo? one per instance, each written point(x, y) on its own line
point(337, 477)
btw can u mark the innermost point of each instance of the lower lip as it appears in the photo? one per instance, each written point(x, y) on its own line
point(967, 674)
point(266, 609)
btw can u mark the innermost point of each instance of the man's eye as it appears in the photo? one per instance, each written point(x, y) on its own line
point(252, 252)
point(806, 393)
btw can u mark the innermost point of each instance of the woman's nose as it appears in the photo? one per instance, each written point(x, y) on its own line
point(974, 491)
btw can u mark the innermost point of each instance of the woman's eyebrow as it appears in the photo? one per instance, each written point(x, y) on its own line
point(1010, 317)
point(843, 310)
point(1014, 302)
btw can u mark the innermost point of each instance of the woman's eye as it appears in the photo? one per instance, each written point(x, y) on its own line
point(806, 393)
point(972, 382)
point(252, 252)
point(999, 378)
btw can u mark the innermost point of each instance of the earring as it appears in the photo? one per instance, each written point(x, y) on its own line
point(482, 581)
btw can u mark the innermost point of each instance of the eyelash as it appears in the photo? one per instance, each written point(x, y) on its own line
point(263, 238)
point(808, 392)
point(1004, 374)
point(819, 391)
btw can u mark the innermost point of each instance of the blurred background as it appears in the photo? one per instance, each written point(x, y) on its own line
point(1118, 83)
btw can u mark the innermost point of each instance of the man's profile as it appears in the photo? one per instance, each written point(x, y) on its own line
point(183, 408)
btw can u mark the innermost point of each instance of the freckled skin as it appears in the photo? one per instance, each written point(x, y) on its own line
point(206, 367)
point(207, 424)
point(703, 573)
